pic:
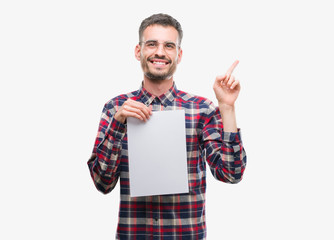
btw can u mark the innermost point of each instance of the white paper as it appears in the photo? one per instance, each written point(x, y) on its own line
point(158, 154)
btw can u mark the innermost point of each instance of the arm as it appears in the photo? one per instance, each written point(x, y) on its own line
point(222, 141)
point(224, 151)
point(104, 162)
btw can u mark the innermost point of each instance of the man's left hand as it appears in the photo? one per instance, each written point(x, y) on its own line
point(227, 88)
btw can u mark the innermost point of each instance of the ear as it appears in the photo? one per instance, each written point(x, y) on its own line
point(137, 52)
point(179, 56)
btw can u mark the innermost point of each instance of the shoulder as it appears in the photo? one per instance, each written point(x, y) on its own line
point(119, 100)
point(199, 101)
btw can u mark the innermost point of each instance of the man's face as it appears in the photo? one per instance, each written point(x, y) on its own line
point(159, 52)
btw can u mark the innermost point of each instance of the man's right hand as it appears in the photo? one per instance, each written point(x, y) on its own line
point(132, 108)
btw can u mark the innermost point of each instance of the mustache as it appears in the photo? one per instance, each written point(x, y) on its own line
point(158, 57)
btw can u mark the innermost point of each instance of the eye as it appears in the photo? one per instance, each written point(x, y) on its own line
point(151, 44)
point(170, 46)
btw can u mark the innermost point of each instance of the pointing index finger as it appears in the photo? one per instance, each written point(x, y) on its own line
point(233, 66)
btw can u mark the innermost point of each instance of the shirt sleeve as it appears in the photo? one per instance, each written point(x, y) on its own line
point(223, 151)
point(105, 160)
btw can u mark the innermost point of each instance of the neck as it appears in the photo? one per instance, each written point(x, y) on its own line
point(159, 87)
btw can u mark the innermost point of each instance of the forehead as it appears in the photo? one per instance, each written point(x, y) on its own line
point(160, 33)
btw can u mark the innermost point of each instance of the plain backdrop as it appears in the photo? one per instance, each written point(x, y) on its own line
point(60, 61)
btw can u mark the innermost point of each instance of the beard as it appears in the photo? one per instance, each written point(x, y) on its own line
point(157, 75)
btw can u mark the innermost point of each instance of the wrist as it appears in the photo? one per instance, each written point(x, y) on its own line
point(119, 118)
point(227, 113)
point(225, 107)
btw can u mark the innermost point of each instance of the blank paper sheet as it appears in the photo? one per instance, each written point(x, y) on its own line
point(158, 154)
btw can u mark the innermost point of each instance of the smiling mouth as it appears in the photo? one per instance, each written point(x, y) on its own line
point(159, 62)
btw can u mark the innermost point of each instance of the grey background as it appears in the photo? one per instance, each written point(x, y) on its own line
point(60, 61)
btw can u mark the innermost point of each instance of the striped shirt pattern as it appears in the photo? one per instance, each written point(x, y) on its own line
point(176, 216)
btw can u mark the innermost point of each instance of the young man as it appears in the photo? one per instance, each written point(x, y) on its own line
point(212, 137)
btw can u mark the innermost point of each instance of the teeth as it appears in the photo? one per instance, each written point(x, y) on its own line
point(159, 63)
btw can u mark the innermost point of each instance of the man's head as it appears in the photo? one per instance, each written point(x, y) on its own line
point(159, 48)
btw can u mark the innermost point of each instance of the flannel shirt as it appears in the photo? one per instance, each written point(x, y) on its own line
point(167, 217)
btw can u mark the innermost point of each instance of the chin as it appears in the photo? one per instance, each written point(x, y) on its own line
point(157, 77)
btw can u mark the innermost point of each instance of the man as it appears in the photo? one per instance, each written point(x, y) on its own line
point(212, 136)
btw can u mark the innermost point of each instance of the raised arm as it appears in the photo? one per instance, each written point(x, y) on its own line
point(223, 146)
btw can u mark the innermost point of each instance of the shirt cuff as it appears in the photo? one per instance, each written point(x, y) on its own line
point(116, 129)
point(232, 136)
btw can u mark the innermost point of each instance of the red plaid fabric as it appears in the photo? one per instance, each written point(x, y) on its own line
point(167, 217)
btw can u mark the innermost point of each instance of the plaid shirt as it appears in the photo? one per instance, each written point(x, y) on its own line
point(167, 217)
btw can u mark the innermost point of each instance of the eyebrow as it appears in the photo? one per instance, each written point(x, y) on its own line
point(151, 40)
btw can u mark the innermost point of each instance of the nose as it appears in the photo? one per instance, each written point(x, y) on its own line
point(160, 50)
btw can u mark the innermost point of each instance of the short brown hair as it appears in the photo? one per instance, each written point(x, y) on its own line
point(160, 19)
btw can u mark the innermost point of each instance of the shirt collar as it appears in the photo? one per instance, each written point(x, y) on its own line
point(166, 99)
